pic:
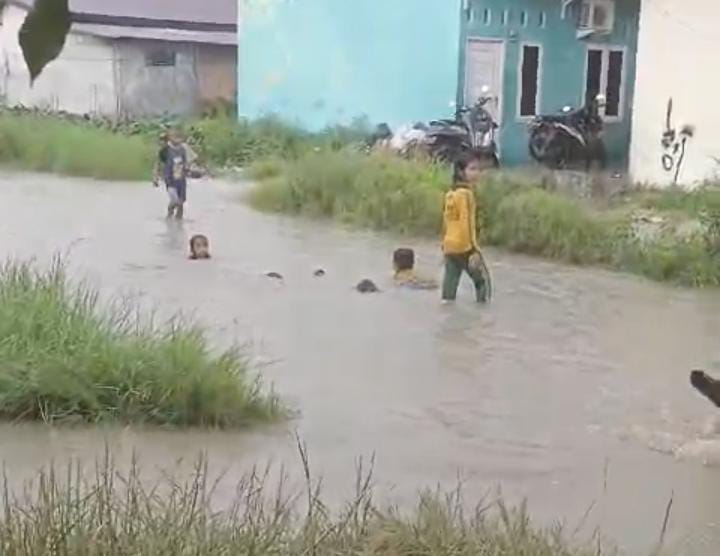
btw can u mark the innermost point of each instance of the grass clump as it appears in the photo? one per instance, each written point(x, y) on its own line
point(386, 193)
point(52, 145)
point(225, 141)
point(62, 356)
point(118, 514)
point(378, 191)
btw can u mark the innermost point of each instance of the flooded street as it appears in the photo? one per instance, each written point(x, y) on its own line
point(570, 388)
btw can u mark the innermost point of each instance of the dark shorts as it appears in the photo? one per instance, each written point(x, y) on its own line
point(179, 189)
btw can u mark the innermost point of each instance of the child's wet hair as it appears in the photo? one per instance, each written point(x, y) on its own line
point(404, 259)
point(461, 164)
point(367, 286)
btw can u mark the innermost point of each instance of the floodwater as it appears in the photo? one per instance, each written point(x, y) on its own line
point(570, 389)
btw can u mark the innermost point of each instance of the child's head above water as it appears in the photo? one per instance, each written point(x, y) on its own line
point(403, 259)
point(199, 247)
point(467, 169)
point(175, 136)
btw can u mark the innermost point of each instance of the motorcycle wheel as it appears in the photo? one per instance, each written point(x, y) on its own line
point(596, 155)
point(447, 154)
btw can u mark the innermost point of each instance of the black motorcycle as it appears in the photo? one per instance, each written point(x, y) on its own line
point(569, 139)
point(378, 138)
point(473, 129)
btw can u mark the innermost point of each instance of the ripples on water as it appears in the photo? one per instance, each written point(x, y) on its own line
point(529, 392)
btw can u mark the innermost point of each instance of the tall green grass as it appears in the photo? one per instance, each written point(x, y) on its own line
point(121, 513)
point(64, 356)
point(223, 140)
point(52, 145)
point(379, 191)
point(104, 149)
point(386, 193)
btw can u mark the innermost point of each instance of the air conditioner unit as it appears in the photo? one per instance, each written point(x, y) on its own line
point(597, 16)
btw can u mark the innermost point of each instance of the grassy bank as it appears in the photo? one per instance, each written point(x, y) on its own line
point(63, 356)
point(667, 236)
point(43, 144)
point(100, 148)
point(121, 514)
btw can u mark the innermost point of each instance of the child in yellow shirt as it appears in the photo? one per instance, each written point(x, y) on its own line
point(459, 241)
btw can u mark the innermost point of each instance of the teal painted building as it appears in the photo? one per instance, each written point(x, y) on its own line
point(542, 55)
point(323, 62)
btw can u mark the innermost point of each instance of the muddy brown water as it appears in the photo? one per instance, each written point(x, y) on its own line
point(570, 389)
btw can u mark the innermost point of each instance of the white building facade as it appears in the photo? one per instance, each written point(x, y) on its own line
point(80, 81)
point(678, 59)
point(126, 66)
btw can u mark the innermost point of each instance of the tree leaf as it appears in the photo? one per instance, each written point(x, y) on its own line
point(42, 35)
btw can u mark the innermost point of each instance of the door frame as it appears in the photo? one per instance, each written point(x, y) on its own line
point(500, 94)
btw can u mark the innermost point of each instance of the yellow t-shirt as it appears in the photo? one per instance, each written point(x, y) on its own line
point(459, 230)
point(408, 278)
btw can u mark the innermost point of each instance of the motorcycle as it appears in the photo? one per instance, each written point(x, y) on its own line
point(563, 140)
point(380, 138)
point(472, 129)
point(407, 141)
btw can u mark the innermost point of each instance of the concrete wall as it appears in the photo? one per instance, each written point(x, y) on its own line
point(152, 90)
point(562, 66)
point(80, 81)
point(217, 72)
point(321, 62)
point(678, 58)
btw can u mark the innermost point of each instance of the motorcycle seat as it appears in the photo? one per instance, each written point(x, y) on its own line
point(557, 118)
point(443, 122)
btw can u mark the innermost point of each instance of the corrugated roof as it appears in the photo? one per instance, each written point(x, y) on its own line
point(189, 14)
point(172, 35)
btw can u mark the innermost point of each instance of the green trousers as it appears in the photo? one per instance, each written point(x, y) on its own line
point(455, 265)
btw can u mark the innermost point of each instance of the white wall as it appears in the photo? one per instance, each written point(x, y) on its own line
point(678, 57)
point(80, 80)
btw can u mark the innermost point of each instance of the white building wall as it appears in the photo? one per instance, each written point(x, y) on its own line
point(678, 57)
point(80, 81)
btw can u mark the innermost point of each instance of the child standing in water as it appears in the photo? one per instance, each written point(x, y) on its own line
point(459, 242)
point(173, 166)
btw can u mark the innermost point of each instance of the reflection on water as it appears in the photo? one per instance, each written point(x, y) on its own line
point(570, 388)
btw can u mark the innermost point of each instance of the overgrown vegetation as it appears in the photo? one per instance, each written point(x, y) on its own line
point(680, 243)
point(38, 143)
point(63, 356)
point(118, 513)
point(102, 148)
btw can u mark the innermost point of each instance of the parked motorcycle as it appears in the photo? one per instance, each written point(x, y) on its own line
point(407, 141)
point(573, 137)
point(471, 129)
point(380, 138)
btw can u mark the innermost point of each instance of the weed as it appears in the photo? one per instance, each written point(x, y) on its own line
point(65, 356)
point(117, 513)
point(52, 145)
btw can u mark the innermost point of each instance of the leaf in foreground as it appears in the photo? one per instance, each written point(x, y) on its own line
point(42, 35)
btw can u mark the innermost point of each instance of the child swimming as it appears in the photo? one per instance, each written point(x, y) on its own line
point(404, 267)
point(199, 247)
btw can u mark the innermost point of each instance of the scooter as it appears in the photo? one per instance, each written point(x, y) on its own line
point(572, 137)
point(473, 129)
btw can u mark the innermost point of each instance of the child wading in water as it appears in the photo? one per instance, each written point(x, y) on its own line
point(173, 166)
point(459, 242)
